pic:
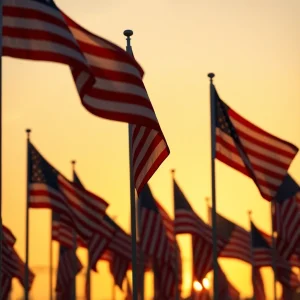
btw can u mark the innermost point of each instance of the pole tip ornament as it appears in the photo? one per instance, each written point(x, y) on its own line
point(250, 212)
point(128, 32)
point(211, 75)
point(28, 130)
point(73, 162)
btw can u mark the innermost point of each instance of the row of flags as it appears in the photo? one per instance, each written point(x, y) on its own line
point(109, 84)
point(158, 244)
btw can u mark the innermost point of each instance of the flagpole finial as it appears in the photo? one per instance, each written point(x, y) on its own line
point(207, 200)
point(73, 162)
point(173, 172)
point(128, 33)
point(249, 213)
point(211, 76)
point(28, 132)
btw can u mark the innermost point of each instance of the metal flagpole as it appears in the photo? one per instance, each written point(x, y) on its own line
point(213, 183)
point(1, 231)
point(176, 253)
point(273, 249)
point(51, 259)
point(141, 282)
point(26, 285)
point(73, 293)
point(252, 257)
point(128, 34)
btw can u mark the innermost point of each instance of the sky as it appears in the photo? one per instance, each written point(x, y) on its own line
point(253, 48)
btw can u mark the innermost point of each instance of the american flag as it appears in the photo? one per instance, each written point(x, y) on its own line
point(108, 80)
point(99, 241)
point(237, 239)
point(5, 287)
point(258, 284)
point(49, 189)
point(121, 254)
point(118, 268)
point(154, 238)
point(69, 265)
point(286, 217)
point(8, 237)
point(64, 234)
point(157, 239)
point(262, 257)
point(188, 222)
point(14, 267)
point(251, 150)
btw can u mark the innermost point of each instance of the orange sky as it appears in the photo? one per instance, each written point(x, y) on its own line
point(253, 48)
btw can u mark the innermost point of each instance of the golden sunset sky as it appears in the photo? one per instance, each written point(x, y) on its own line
point(253, 47)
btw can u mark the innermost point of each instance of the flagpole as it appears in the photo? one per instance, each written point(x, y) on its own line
point(213, 184)
point(26, 285)
point(252, 257)
point(142, 258)
point(176, 253)
point(128, 34)
point(73, 293)
point(51, 258)
point(273, 249)
point(1, 228)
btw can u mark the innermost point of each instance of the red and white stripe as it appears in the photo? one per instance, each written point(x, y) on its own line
point(5, 287)
point(202, 257)
point(153, 237)
point(108, 80)
point(149, 150)
point(66, 272)
point(8, 238)
point(258, 284)
point(118, 268)
point(63, 234)
point(269, 156)
point(13, 266)
point(287, 220)
point(238, 246)
point(263, 257)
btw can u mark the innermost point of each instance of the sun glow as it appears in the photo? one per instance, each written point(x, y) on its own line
point(197, 286)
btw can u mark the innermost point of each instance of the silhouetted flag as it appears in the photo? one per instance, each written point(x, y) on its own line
point(262, 257)
point(153, 238)
point(65, 272)
point(188, 222)
point(14, 267)
point(118, 268)
point(287, 217)
point(76, 206)
point(63, 233)
point(120, 249)
point(8, 237)
point(5, 287)
point(108, 80)
point(157, 240)
point(236, 239)
point(251, 150)
point(258, 284)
